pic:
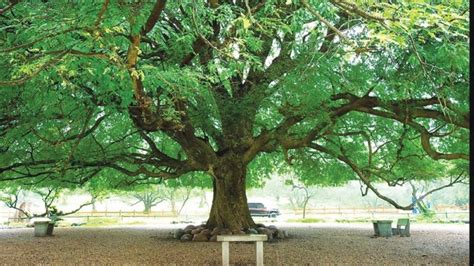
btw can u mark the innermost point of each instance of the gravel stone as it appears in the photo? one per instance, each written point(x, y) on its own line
point(316, 244)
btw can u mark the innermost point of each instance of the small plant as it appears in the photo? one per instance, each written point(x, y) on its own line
point(428, 214)
point(428, 217)
point(54, 215)
point(305, 220)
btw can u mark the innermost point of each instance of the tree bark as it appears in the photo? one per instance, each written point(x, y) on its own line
point(229, 204)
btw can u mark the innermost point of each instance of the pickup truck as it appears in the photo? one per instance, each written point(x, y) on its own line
point(258, 209)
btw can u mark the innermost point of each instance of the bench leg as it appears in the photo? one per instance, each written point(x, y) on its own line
point(225, 253)
point(376, 229)
point(259, 253)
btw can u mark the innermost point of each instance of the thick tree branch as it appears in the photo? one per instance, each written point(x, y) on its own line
point(92, 201)
point(154, 16)
point(9, 6)
point(101, 13)
point(353, 8)
point(325, 21)
point(84, 133)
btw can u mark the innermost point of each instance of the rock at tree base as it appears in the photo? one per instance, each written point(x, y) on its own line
point(190, 227)
point(206, 232)
point(196, 231)
point(280, 234)
point(216, 231)
point(178, 233)
point(267, 232)
point(252, 231)
point(201, 233)
point(186, 237)
point(200, 237)
point(225, 231)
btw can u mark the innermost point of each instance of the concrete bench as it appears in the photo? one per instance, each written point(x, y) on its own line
point(258, 239)
point(382, 227)
point(405, 231)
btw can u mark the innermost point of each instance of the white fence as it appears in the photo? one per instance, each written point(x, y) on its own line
point(442, 213)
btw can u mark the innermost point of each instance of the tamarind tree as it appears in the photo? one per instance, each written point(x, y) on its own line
point(117, 93)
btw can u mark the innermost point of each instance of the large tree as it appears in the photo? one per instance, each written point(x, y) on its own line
point(124, 92)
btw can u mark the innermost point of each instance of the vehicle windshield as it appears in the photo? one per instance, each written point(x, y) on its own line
point(256, 205)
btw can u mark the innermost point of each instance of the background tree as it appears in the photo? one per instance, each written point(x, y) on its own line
point(122, 93)
point(461, 197)
point(13, 198)
point(48, 196)
point(300, 196)
point(149, 197)
point(175, 192)
point(177, 196)
point(203, 199)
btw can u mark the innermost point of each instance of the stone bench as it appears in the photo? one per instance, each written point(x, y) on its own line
point(382, 227)
point(41, 227)
point(403, 227)
point(258, 239)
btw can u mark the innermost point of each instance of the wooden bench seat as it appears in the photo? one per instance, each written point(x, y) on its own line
point(258, 239)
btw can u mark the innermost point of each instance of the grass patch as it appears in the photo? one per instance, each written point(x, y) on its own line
point(359, 220)
point(424, 220)
point(15, 224)
point(305, 220)
point(101, 221)
point(134, 223)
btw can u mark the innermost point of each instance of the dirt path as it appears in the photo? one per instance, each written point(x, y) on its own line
point(313, 245)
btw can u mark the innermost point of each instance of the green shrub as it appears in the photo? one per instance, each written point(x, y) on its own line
point(99, 221)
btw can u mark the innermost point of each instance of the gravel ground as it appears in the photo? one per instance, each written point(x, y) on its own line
point(308, 245)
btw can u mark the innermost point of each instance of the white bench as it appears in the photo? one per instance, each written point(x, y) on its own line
point(258, 239)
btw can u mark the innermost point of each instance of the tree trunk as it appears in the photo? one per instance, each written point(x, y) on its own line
point(304, 208)
point(203, 200)
point(148, 206)
point(229, 204)
point(305, 202)
point(173, 205)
